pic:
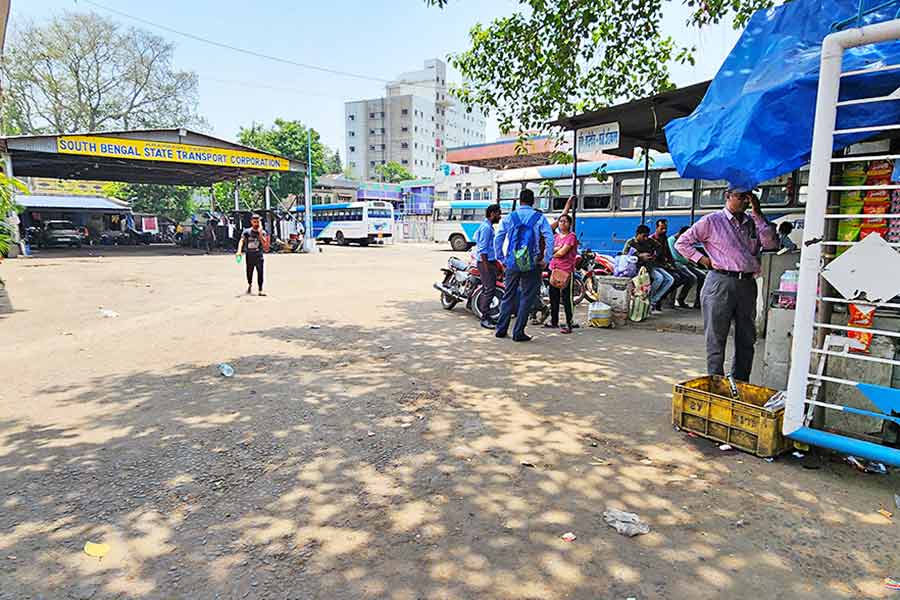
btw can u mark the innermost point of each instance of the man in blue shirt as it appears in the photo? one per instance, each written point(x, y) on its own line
point(487, 262)
point(522, 287)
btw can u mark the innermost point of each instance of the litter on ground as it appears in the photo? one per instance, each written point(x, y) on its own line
point(626, 523)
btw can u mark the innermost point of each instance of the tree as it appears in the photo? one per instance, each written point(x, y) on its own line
point(173, 201)
point(8, 205)
point(287, 138)
point(333, 165)
point(562, 57)
point(393, 172)
point(84, 72)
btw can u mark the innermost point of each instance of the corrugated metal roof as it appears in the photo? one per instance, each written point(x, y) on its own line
point(71, 202)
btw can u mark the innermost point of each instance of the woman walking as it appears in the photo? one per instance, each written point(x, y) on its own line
point(562, 269)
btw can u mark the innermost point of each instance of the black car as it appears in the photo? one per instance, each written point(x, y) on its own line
point(60, 233)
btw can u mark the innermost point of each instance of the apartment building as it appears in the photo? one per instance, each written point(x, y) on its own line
point(413, 124)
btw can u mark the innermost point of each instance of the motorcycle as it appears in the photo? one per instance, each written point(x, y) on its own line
point(462, 283)
point(590, 266)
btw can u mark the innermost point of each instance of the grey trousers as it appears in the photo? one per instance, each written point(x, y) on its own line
point(725, 300)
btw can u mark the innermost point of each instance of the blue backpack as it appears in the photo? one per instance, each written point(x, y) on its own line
point(523, 245)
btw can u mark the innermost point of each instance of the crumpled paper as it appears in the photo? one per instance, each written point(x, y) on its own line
point(626, 523)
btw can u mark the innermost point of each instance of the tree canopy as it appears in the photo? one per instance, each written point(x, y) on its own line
point(393, 172)
point(85, 72)
point(173, 201)
point(562, 57)
point(287, 138)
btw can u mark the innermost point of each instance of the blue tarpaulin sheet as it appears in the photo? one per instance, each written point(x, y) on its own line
point(756, 119)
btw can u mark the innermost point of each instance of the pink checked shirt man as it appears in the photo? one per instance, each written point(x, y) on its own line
point(733, 241)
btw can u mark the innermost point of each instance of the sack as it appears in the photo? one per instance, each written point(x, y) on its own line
point(625, 265)
point(559, 278)
point(524, 252)
point(640, 308)
point(599, 314)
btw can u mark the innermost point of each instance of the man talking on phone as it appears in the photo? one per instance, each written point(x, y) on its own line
point(733, 241)
point(254, 243)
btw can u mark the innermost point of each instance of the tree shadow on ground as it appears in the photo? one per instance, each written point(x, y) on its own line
point(425, 459)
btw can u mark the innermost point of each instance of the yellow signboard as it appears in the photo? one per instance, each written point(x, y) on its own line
point(163, 151)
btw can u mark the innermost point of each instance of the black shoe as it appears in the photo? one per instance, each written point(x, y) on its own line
point(486, 324)
point(524, 338)
point(500, 334)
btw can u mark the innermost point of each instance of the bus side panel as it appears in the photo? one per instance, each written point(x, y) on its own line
point(606, 233)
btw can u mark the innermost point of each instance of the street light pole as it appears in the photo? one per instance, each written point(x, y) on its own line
point(309, 238)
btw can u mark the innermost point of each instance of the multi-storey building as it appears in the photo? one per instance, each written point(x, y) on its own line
point(413, 124)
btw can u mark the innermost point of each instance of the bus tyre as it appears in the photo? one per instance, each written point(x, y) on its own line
point(339, 237)
point(458, 243)
point(363, 242)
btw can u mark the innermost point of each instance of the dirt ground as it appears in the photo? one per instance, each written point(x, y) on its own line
point(381, 454)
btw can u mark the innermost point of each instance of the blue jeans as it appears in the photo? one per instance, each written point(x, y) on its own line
point(521, 291)
point(660, 282)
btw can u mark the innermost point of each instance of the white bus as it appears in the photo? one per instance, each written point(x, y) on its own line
point(357, 222)
point(456, 222)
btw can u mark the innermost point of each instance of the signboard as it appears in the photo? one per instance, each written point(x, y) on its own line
point(108, 147)
point(594, 140)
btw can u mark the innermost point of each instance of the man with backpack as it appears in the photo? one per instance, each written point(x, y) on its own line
point(522, 230)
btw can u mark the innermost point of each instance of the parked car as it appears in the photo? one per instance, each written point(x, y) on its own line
point(59, 233)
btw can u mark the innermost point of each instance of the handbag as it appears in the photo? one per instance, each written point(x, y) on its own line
point(559, 278)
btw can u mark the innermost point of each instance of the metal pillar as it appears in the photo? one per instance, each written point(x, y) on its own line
point(574, 175)
point(237, 196)
point(309, 237)
point(646, 185)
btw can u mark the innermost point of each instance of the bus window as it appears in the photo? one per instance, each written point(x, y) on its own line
point(487, 195)
point(476, 195)
point(510, 191)
point(674, 192)
point(776, 192)
point(631, 193)
point(803, 186)
point(458, 195)
point(712, 193)
point(559, 203)
point(467, 195)
point(597, 194)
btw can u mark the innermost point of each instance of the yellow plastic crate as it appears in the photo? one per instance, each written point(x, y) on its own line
point(705, 407)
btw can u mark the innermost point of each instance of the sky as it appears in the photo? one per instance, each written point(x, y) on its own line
point(374, 38)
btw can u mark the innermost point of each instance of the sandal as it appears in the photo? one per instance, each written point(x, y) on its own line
point(565, 329)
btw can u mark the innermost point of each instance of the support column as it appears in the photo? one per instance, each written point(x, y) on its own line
point(574, 175)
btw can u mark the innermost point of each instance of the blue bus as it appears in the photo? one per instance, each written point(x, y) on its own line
point(609, 208)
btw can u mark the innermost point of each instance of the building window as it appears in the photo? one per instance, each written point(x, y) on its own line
point(404, 162)
point(352, 148)
point(416, 144)
point(404, 112)
point(371, 146)
point(351, 133)
point(417, 128)
point(371, 163)
point(404, 145)
point(404, 129)
point(351, 117)
point(353, 163)
point(371, 115)
point(371, 132)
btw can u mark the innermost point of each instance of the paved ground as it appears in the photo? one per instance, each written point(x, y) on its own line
point(381, 455)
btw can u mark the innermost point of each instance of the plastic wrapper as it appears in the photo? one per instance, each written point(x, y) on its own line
point(861, 316)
